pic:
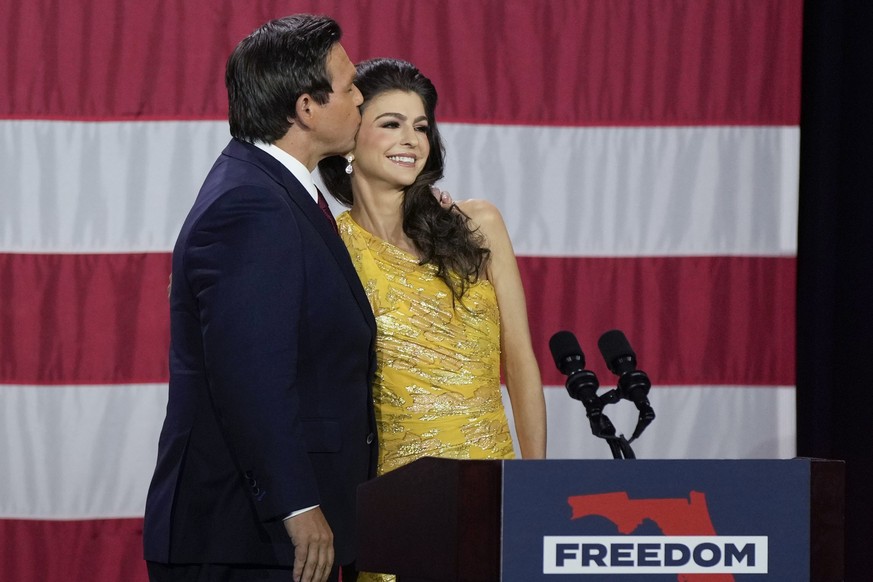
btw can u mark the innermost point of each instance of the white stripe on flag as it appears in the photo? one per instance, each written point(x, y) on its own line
point(630, 191)
point(692, 422)
point(126, 187)
point(88, 452)
point(79, 452)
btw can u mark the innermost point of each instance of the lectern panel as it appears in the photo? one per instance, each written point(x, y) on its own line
point(704, 521)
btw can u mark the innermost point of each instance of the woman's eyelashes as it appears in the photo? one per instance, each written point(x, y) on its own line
point(423, 128)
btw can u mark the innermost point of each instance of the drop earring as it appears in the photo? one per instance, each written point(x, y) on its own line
point(349, 169)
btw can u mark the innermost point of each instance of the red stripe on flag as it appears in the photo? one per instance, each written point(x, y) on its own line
point(84, 319)
point(103, 550)
point(103, 319)
point(690, 320)
point(639, 62)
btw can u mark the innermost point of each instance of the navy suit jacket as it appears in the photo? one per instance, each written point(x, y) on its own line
point(271, 357)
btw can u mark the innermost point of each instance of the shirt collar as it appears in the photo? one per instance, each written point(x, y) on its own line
point(301, 172)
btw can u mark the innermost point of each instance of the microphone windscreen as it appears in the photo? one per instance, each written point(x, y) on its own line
point(615, 347)
point(564, 345)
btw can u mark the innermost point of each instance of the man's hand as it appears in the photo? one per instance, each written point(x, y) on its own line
point(444, 198)
point(313, 546)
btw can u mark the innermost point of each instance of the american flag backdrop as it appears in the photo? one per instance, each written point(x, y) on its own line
point(644, 154)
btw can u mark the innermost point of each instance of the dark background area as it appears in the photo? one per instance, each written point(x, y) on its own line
point(835, 258)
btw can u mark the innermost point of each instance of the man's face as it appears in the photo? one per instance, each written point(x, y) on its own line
point(339, 118)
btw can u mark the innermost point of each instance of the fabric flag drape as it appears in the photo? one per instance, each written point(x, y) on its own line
point(644, 154)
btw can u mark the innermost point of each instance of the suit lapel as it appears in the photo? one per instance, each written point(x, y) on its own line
point(310, 209)
point(300, 197)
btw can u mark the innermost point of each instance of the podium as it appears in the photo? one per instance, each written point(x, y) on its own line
point(443, 520)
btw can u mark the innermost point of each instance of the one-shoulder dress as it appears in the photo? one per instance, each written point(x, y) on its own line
point(437, 384)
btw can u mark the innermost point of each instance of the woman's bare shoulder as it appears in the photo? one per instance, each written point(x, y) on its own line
point(482, 212)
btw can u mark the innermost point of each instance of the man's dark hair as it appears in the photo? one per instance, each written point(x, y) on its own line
point(443, 237)
point(271, 68)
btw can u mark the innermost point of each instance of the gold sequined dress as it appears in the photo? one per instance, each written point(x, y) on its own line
point(437, 385)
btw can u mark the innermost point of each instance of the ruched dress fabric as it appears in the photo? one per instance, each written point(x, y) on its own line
point(437, 384)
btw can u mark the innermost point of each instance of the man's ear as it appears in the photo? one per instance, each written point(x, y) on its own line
point(305, 108)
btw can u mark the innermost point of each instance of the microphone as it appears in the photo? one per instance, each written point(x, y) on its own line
point(633, 384)
point(582, 384)
point(617, 352)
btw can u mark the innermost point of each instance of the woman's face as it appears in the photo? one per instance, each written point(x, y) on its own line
point(392, 145)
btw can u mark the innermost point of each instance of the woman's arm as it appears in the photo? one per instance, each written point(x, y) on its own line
point(520, 369)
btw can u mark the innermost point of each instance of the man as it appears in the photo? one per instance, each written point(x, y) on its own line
point(269, 425)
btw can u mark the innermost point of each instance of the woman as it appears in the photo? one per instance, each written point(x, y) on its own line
point(444, 286)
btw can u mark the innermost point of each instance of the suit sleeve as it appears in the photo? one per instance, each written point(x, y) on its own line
point(244, 264)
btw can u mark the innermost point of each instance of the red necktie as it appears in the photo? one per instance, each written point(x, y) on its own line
point(325, 209)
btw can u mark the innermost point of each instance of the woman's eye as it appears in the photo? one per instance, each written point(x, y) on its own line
point(391, 124)
point(422, 128)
